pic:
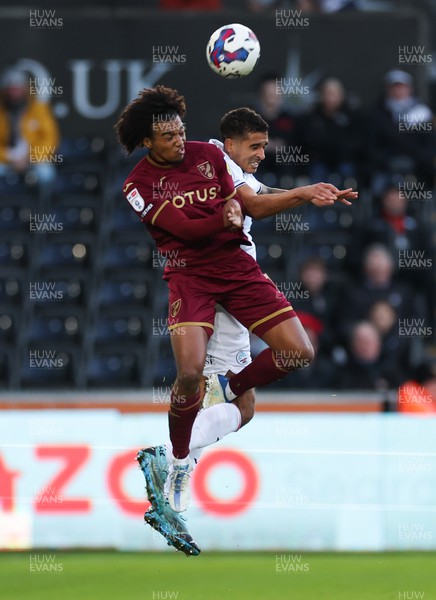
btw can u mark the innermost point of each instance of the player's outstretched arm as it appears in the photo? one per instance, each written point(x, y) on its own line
point(260, 206)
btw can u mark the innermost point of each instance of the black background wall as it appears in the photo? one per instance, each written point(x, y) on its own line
point(102, 57)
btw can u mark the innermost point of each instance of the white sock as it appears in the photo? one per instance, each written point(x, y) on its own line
point(210, 426)
point(195, 454)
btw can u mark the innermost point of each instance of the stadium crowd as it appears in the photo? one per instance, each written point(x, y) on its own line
point(361, 278)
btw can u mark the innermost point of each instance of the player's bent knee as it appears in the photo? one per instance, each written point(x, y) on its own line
point(307, 352)
point(304, 356)
point(189, 378)
point(295, 357)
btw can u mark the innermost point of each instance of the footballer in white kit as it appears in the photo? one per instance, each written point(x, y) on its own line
point(229, 346)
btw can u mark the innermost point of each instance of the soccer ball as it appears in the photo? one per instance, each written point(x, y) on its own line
point(233, 51)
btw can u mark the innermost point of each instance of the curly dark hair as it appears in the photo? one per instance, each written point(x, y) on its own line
point(240, 122)
point(136, 121)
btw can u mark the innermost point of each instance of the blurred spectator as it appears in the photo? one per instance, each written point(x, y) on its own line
point(319, 296)
point(418, 395)
point(402, 136)
point(313, 276)
point(281, 133)
point(395, 348)
point(408, 239)
point(331, 134)
point(29, 133)
point(417, 398)
point(377, 283)
point(365, 368)
point(190, 4)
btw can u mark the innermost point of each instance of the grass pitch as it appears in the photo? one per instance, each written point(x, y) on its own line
point(216, 576)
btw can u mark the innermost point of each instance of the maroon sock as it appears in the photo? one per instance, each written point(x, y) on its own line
point(261, 371)
point(181, 418)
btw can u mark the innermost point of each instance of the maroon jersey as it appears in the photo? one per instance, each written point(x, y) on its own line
point(182, 204)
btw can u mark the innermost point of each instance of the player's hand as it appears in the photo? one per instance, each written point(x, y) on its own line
point(345, 195)
point(232, 215)
point(322, 193)
point(325, 194)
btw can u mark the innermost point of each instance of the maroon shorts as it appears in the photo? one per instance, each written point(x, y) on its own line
point(238, 284)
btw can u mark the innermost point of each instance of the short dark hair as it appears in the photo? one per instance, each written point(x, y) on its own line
point(240, 122)
point(136, 121)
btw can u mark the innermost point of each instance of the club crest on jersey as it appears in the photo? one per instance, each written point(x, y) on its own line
point(207, 170)
point(175, 307)
point(136, 200)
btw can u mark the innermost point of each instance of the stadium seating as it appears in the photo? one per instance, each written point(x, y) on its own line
point(85, 280)
point(113, 369)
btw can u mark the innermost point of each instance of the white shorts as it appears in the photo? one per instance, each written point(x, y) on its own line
point(229, 347)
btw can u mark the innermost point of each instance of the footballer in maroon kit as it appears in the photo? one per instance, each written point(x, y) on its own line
point(171, 198)
point(184, 194)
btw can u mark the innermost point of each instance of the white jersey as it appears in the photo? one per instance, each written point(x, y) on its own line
point(229, 346)
point(239, 178)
